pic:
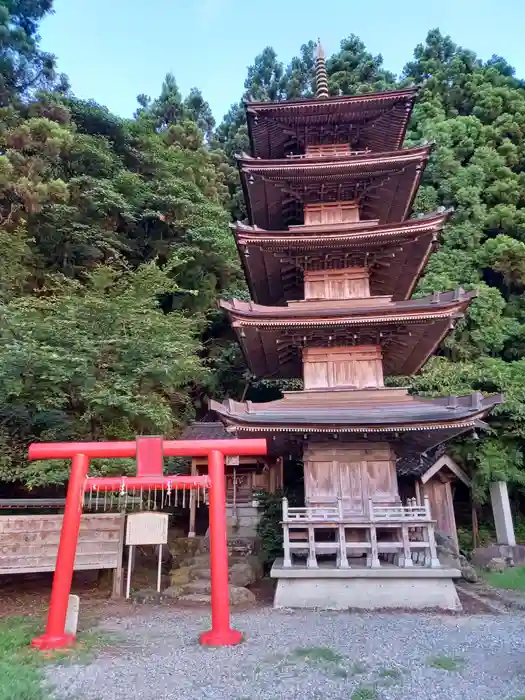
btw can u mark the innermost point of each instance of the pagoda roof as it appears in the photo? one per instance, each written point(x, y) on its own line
point(415, 422)
point(384, 184)
point(377, 121)
point(394, 254)
point(407, 331)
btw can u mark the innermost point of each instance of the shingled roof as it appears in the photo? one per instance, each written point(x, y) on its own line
point(206, 430)
point(417, 465)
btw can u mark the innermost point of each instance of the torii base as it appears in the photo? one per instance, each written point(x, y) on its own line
point(48, 642)
point(226, 638)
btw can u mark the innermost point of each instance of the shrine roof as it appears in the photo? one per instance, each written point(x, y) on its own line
point(394, 254)
point(206, 430)
point(418, 421)
point(408, 332)
point(384, 184)
point(417, 465)
point(377, 121)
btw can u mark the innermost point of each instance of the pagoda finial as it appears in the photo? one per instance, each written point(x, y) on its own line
point(321, 76)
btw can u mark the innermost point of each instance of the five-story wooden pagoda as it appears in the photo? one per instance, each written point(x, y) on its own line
point(332, 258)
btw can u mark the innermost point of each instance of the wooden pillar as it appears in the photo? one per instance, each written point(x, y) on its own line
point(193, 501)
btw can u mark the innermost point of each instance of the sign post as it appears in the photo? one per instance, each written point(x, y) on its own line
point(143, 529)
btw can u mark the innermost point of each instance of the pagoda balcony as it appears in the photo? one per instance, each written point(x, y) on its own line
point(408, 332)
point(389, 534)
point(327, 153)
point(384, 185)
point(394, 254)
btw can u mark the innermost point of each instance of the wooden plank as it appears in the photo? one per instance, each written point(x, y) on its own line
point(29, 543)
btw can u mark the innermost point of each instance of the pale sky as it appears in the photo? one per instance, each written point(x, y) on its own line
point(114, 50)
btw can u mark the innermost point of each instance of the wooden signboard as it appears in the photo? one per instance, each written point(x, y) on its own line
point(29, 543)
point(147, 528)
point(142, 529)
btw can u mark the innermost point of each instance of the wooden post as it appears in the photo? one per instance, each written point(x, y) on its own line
point(475, 526)
point(407, 552)
point(342, 559)
point(312, 559)
point(287, 561)
point(434, 561)
point(118, 579)
point(418, 493)
point(193, 502)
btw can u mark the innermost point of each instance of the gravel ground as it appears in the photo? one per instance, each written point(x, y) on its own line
point(306, 656)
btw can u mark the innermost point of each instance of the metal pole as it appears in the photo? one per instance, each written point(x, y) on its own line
point(221, 634)
point(159, 570)
point(128, 576)
point(55, 637)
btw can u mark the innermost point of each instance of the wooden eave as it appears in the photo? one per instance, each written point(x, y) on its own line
point(394, 254)
point(446, 462)
point(408, 331)
point(375, 121)
point(413, 422)
point(383, 184)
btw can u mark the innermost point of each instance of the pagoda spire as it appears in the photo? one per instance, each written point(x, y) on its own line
point(321, 75)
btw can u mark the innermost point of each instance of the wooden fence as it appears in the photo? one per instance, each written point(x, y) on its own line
point(29, 544)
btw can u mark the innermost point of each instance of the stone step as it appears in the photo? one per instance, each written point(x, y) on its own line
point(197, 586)
point(238, 596)
point(201, 573)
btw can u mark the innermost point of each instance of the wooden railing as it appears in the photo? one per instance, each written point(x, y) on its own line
point(409, 529)
point(327, 154)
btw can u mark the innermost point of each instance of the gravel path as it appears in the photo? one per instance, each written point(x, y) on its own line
point(306, 656)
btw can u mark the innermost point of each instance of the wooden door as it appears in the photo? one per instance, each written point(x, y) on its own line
point(352, 487)
point(382, 480)
point(321, 482)
point(442, 506)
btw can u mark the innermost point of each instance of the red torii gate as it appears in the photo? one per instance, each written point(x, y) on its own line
point(149, 452)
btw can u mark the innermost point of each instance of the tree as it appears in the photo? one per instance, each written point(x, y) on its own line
point(24, 67)
point(116, 246)
point(93, 360)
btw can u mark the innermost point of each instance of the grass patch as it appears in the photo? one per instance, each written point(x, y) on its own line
point(512, 579)
point(390, 673)
point(318, 655)
point(446, 663)
point(356, 668)
point(22, 668)
point(365, 692)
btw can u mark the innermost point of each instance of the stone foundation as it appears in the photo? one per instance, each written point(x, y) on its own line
point(365, 589)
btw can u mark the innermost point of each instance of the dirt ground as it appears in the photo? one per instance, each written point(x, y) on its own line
point(29, 595)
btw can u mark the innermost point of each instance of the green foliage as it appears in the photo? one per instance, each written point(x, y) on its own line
point(115, 248)
point(94, 360)
point(269, 529)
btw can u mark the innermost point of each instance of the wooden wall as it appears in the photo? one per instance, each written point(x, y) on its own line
point(29, 543)
point(250, 476)
point(352, 473)
point(359, 367)
point(345, 283)
point(331, 213)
